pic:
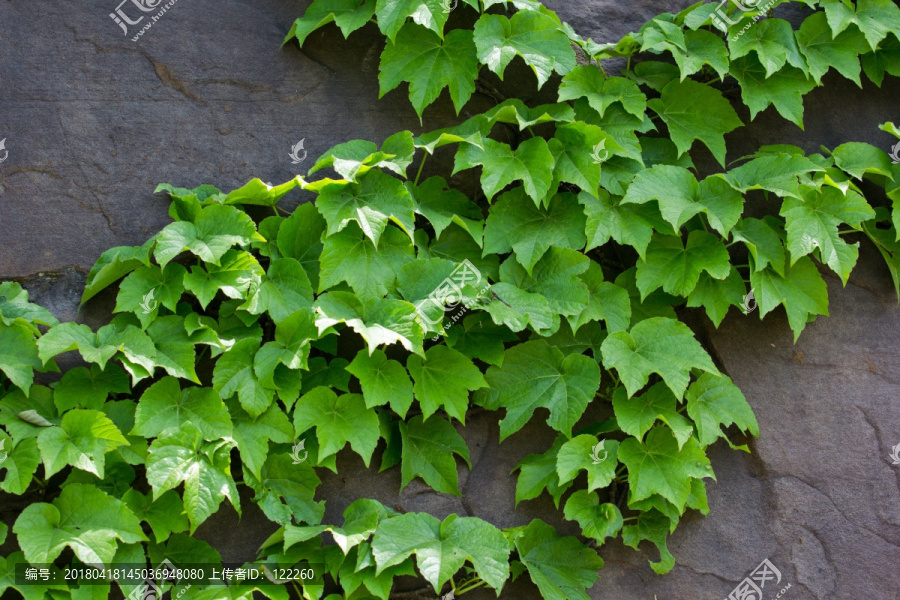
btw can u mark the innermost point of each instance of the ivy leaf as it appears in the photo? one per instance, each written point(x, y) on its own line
point(534, 36)
point(824, 51)
point(696, 111)
point(83, 518)
point(635, 416)
point(586, 81)
point(361, 520)
point(442, 206)
point(300, 238)
point(657, 345)
point(234, 374)
point(349, 15)
point(165, 515)
point(174, 348)
point(290, 348)
point(702, 48)
point(379, 322)
point(392, 14)
point(676, 268)
point(606, 301)
point(82, 439)
point(286, 490)
point(383, 381)
point(442, 548)
point(114, 264)
point(814, 221)
point(428, 449)
point(338, 420)
point(18, 355)
point(774, 43)
point(876, 19)
point(573, 148)
point(535, 374)
point(517, 309)
point(555, 277)
point(857, 159)
point(237, 273)
point(373, 201)
point(164, 405)
point(479, 337)
point(578, 454)
point(444, 378)
point(179, 455)
point(285, 290)
point(763, 244)
point(531, 163)
point(654, 527)
point(801, 290)
point(22, 460)
point(151, 286)
point(537, 472)
point(784, 89)
point(780, 173)
point(716, 296)
point(349, 256)
point(561, 567)
point(597, 521)
point(253, 434)
point(430, 64)
point(529, 230)
point(608, 218)
point(215, 230)
point(14, 305)
point(715, 401)
point(658, 466)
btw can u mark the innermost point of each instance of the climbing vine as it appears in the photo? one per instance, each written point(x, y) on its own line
point(250, 346)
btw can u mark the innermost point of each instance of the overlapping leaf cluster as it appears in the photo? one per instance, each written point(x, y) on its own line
point(245, 336)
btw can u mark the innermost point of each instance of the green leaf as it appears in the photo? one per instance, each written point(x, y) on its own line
point(538, 472)
point(300, 238)
point(654, 527)
point(442, 206)
point(14, 305)
point(696, 111)
point(716, 296)
point(784, 89)
point(774, 43)
point(165, 515)
point(430, 64)
point(801, 290)
point(22, 460)
point(113, 265)
point(780, 173)
point(383, 381)
point(585, 452)
point(517, 309)
point(763, 244)
point(702, 48)
point(392, 14)
point(234, 374)
point(578, 149)
point(635, 416)
point(349, 256)
point(676, 268)
point(587, 81)
point(179, 455)
point(361, 520)
point(534, 36)
point(876, 19)
point(290, 349)
point(428, 449)
point(285, 290)
point(349, 15)
point(148, 288)
point(174, 348)
point(813, 223)
point(531, 163)
point(529, 230)
point(658, 466)
point(555, 277)
point(824, 51)
point(715, 401)
point(253, 435)
point(373, 201)
point(83, 518)
point(237, 273)
point(338, 420)
point(215, 230)
point(164, 405)
point(285, 490)
point(479, 337)
point(379, 322)
point(608, 218)
point(535, 374)
point(89, 388)
point(561, 567)
point(442, 549)
point(19, 356)
point(444, 378)
point(597, 521)
point(656, 345)
point(857, 159)
point(82, 439)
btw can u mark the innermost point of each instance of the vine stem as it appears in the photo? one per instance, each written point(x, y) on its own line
point(470, 585)
point(421, 166)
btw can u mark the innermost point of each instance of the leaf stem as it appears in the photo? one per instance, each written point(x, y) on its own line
point(421, 166)
point(469, 585)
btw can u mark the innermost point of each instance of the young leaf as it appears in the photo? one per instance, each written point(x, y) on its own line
point(581, 453)
point(114, 264)
point(82, 440)
point(715, 401)
point(444, 378)
point(338, 420)
point(635, 416)
point(535, 374)
point(215, 230)
point(383, 381)
point(597, 521)
point(428, 449)
point(349, 15)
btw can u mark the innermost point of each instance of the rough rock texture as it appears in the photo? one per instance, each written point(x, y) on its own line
point(93, 121)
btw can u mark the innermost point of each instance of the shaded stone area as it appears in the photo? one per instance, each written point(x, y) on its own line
point(94, 121)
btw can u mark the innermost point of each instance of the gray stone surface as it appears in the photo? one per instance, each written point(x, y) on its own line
point(93, 121)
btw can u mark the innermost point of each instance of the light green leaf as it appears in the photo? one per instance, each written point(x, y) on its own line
point(22, 460)
point(589, 82)
point(784, 89)
point(857, 159)
point(383, 381)
point(715, 401)
point(676, 268)
point(763, 244)
point(113, 265)
point(300, 238)
point(82, 439)
point(174, 348)
point(444, 378)
point(14, 305)
point(531, 163)
point(238, 272)
point(338, 420)
point(253, 435)
point(392, 14)
point(586, 452)
point(164, 405)
point(286, 490)
point(780, 173)
point(428, 449)
point(349, 15)
point(285, 290)
point(538, 472)
point(19, 356)
point(608, 218)
point(234, 373)
point(824, 51)
point(561, 567)
point(801, 290)
point(774, 44)
point(654, 527)
point(716, 296)
point(165, 515)
point(442, 206)
point(379, 322)
point(606, 301)
point(597, 521)
point(635, 416)
point(215, 230)
point(876, 19)
point(349, 256)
